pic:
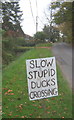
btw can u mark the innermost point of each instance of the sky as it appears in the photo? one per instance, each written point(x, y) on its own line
point(30, 12)
point(29, 16)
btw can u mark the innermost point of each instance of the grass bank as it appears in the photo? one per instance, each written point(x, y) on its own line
point(16, 103)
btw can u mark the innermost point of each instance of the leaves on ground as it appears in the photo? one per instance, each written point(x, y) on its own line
point(16, 103)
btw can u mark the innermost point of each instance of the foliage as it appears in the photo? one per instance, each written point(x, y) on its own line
point(11, 15)
point(20, 41)
point(40, 36)
point(66, 29)
point(6, 57)
point(30, 43)
point(44, 45)
point(7, 44)
point(21, 49)
point(46, 30)
point(64, 12)
point(16, 103)
point(12, 46)
point(52, 33)
point(62, 16)
point(11, 29)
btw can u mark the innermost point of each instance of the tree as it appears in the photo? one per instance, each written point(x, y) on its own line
point(52, 33)
point(11, 15)
point(40, 36)
point(46, 30)
point(62, 16)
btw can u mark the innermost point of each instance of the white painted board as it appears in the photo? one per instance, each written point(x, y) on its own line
point(42, 78)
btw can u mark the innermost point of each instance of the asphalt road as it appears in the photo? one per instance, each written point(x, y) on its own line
point(63, 54)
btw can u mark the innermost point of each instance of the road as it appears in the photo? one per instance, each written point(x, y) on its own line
point(63, 53)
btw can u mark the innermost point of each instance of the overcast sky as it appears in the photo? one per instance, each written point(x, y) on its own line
point(29, 22)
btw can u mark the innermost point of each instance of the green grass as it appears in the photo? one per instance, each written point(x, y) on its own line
point(18, 105)
point(44, 45)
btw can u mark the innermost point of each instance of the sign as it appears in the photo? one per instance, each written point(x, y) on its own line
point(42, 78)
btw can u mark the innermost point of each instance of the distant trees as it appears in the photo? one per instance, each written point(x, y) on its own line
point(40, 36)
point(11, 16)
point(62, 16)
point(49, 34)
point(52, 33)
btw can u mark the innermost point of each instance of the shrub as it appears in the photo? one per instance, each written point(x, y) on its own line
point(7, 57)
point(21, 49)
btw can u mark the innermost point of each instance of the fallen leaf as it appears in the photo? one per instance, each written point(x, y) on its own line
point(48, 112)
point(53, 112)
point(40, 107)
point(46, 100)
point(5, 93)
point(9, 91)
point(53, 98)
point(35, 105)
point(21, 106)
point(33, 101)
point(48, 107)
point(30, 114)
point(5, 88)
point(23, 117)
point(9, 114)
point(62, 117)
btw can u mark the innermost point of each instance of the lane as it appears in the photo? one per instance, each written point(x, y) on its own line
point(63, 54)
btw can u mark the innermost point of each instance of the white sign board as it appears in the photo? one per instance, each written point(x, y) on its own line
point(42, 78)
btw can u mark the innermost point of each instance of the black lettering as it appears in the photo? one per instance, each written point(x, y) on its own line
point(45, 93)
point(53, 81)
point(38, 84)
point(35, 94)
point(48, 72)
point(40, 74)
point(32, 63)
point(31, 95)
point(52, 72)
point(42, 93)
point(55, 91)
point(33, 85)
point(44, 83)
point(50, 63)
point(31, 76)
point(48, 83)
point(45, 72)
point(37, 64)
point(50, 91)
point(39, 94)
point(43, 63)
point(35, 75)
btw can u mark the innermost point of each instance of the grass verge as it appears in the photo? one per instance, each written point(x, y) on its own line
point(17, 104)
point(44, 45)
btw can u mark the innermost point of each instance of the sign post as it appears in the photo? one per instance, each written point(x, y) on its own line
point(42, 78)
